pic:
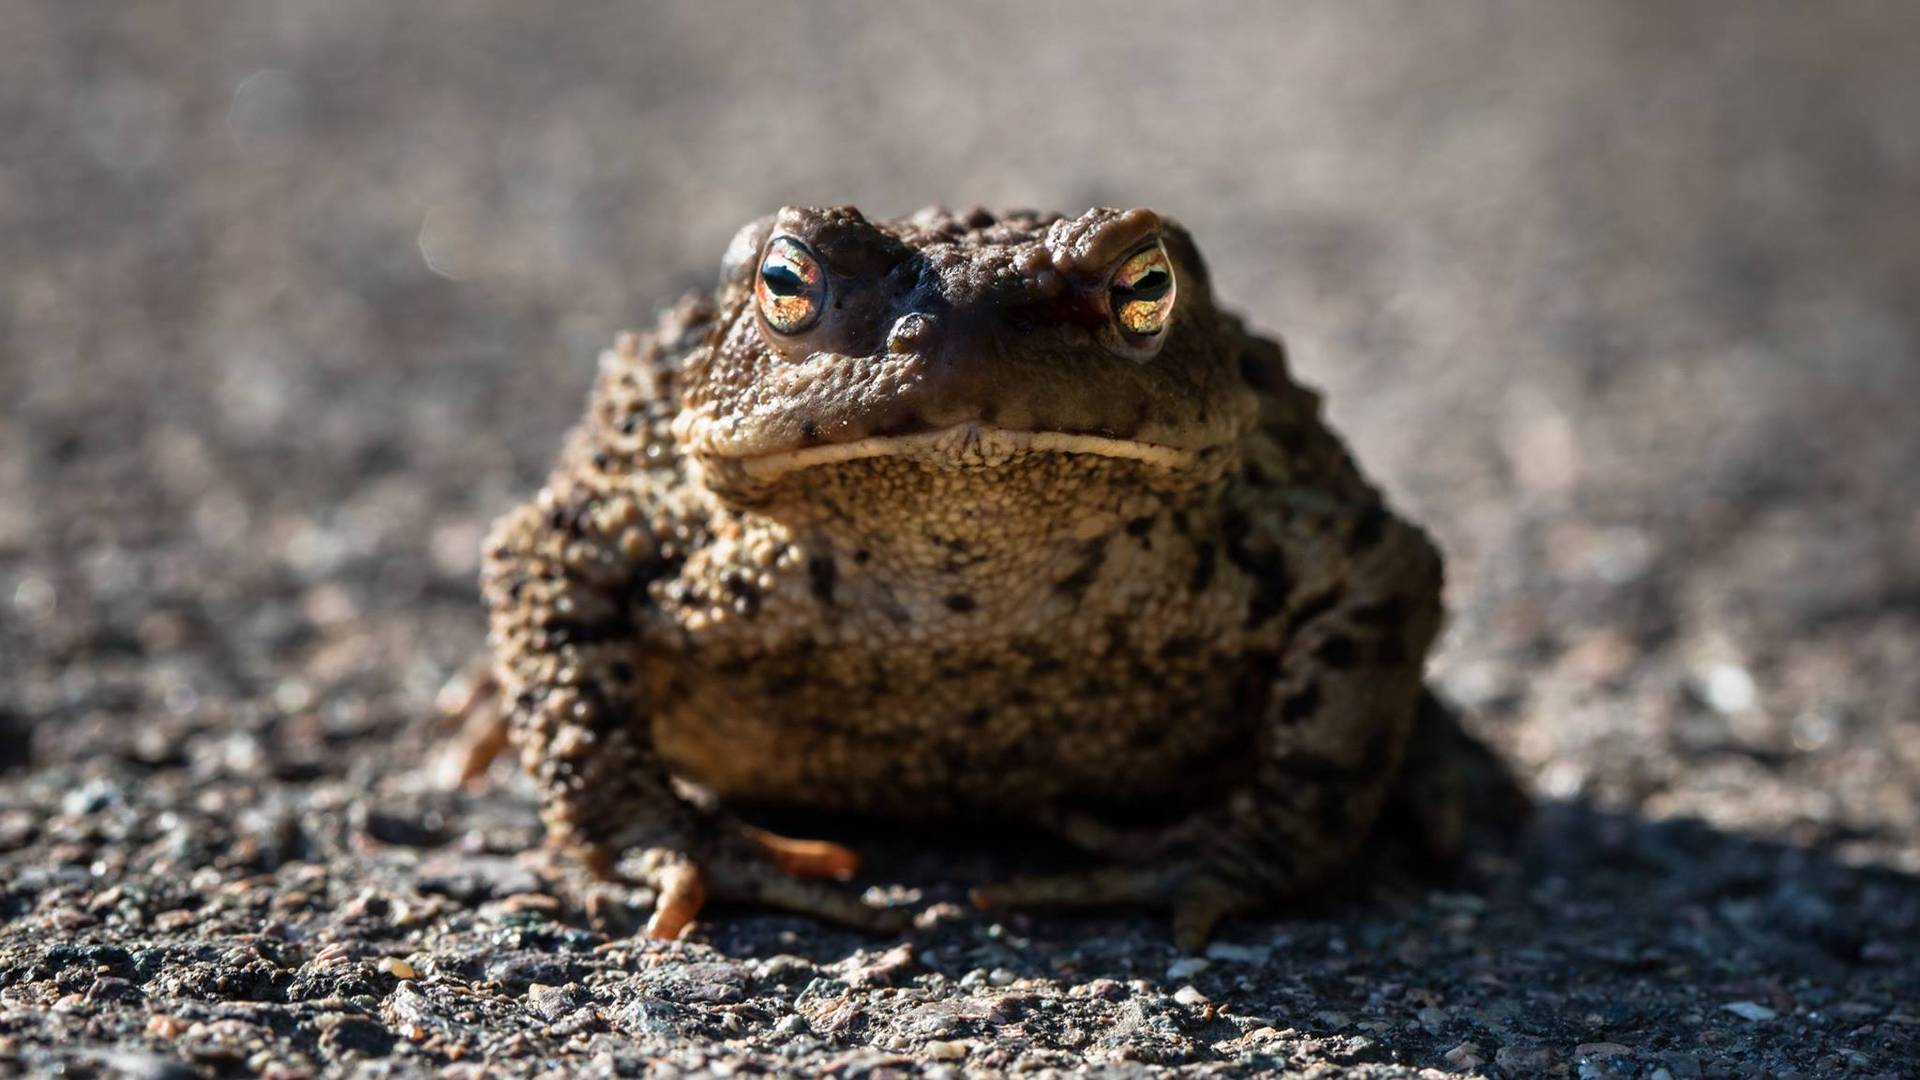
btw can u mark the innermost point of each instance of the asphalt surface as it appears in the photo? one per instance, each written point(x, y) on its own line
point(1623, 301)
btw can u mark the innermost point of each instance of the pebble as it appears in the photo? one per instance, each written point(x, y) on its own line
point(948, 1049)
point(791, 1025)
point(1464, 1057)
point(1189, 995)
point(1186, 968)
point(1601, 1050)
point(1728, 688)
point(1001, 977)
point(1750, 1010)
point(398, 968)
point(550, 1003)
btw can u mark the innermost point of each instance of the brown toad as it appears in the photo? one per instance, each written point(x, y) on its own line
point(965, 514)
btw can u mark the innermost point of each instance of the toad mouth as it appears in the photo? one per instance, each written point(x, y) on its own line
point(970, 443)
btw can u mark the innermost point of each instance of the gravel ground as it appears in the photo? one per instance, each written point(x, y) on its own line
point(1623, 300)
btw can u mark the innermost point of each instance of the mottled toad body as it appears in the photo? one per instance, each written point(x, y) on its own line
point(962, 514)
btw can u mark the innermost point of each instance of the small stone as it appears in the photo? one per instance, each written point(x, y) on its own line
point(71, 919)
point(1333, 1020)
point(948, 1049)
point(1189, 995)
point(1103, 989)
point(1186, 968)
point(550, 1003)
point(1660, 1074)
point(1465, 1057)
point(881, 971)
point(398, 968)
point(162, 1026)
point(1728, 688)
point(1001, 977)
point(1432, 1019)
point(344, 1033)
point(791, 1025)
point(1601, 1050)
point(649, 1016)
point(1750, 1010)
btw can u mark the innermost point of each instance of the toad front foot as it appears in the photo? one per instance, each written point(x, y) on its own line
point(740, 864)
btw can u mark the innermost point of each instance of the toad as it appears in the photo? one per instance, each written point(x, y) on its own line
point(977, 514)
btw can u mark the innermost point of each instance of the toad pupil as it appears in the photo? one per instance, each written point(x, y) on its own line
point(1152, 285)
point(781, 280)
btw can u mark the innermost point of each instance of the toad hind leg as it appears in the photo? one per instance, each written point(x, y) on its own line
point(1331, 739)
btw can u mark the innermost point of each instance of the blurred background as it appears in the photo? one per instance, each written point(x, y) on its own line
point(1621, 300)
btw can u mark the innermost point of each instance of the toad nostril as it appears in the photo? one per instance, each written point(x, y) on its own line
point(912, 332)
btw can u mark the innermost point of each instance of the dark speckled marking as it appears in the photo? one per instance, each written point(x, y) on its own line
point(1315, 606)
point(615, 627)
point(1255, 685)
point(961, 603)
point(1370, 528)
point(1301, 706)
point(1390, 650)
point(1315, 768)
point(1180, 647)
point(1334, 818)
point(744, 591)
point(1267, 569)
point(1269, 599)
point(1205, 559)
point(1337, 652)
point(1254, 372)
point(1382, 614)
point(1076, 583)
point(1295, 440)
point(1140, 526)
point(822, 574)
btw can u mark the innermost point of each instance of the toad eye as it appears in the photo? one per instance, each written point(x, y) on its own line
point(791, 288)
point(1142, 292)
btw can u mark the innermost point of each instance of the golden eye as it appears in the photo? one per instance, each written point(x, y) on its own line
point(791, 287)
point(1142, 292)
